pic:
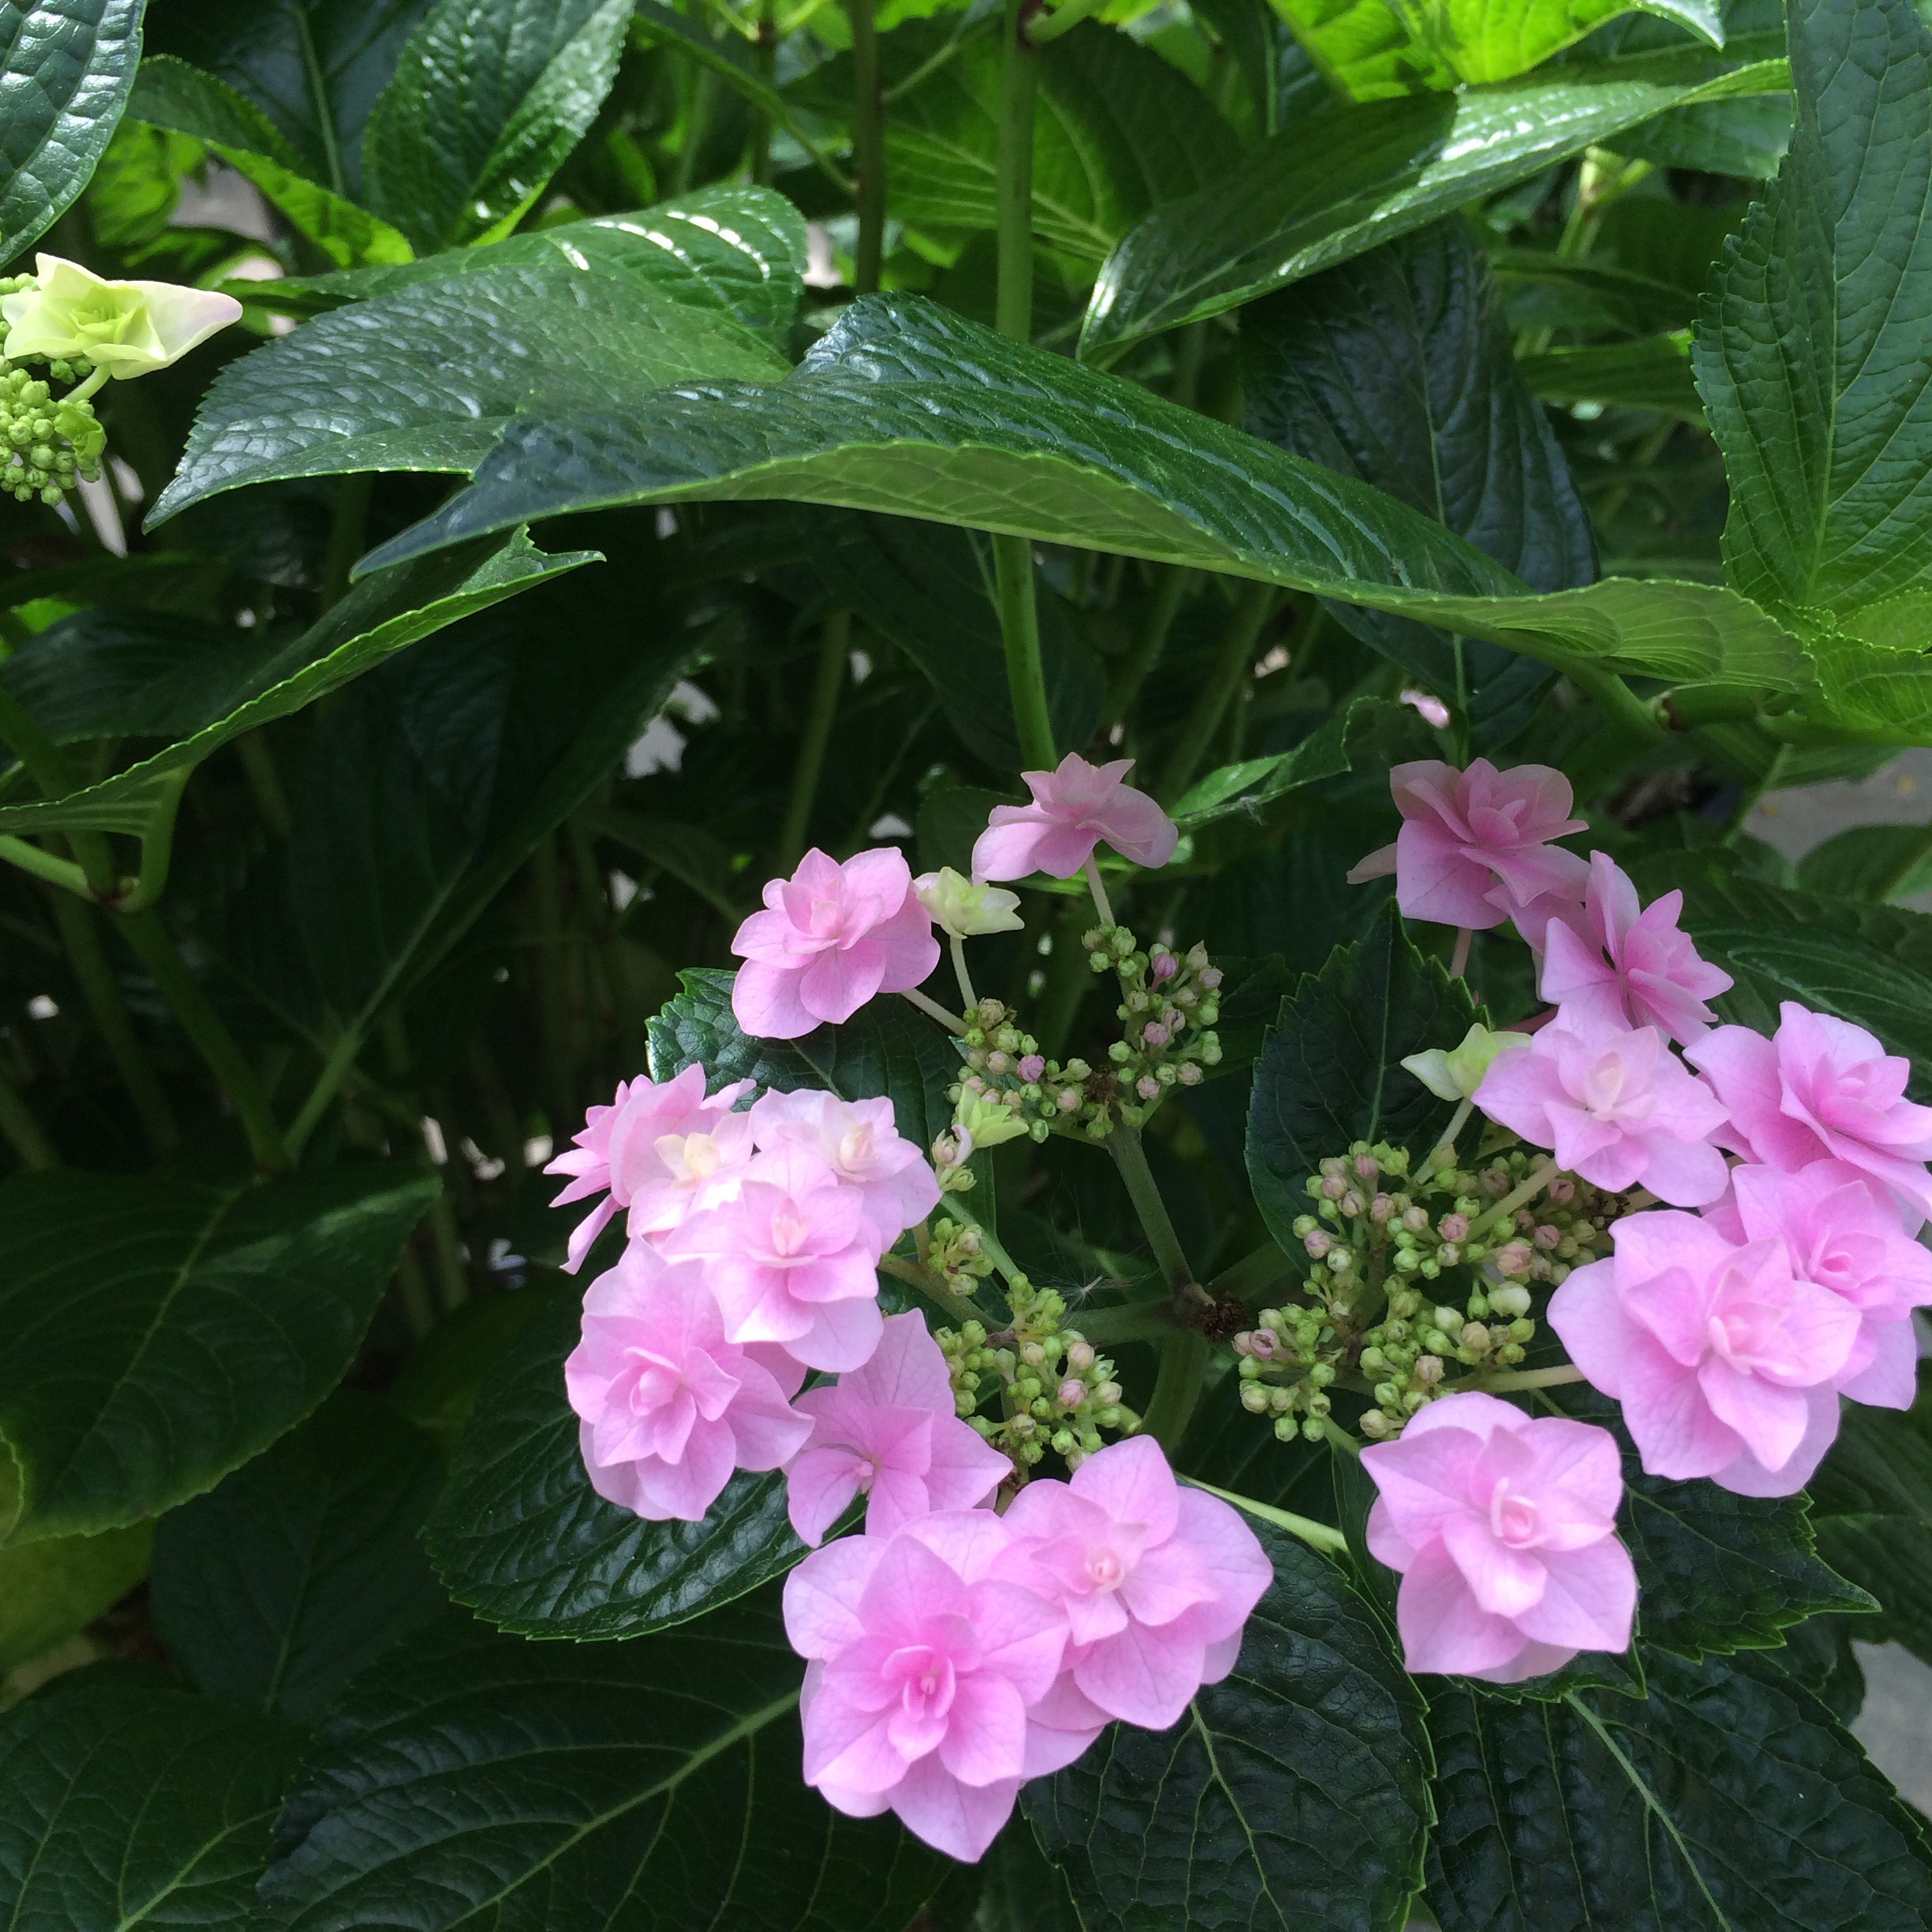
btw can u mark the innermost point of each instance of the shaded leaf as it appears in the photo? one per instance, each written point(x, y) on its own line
point(1878, 862)
point(49, 1590)
point(1652, 373)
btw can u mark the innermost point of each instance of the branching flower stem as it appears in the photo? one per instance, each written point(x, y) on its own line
point(1319, 1536)
point(1102, 904)
point(1538, 1178)
point(933, 1010)
point(960, 972)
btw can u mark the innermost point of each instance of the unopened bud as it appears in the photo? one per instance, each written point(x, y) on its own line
point(1453, 1228)
point(1071, 1393)
point(1080, 1356)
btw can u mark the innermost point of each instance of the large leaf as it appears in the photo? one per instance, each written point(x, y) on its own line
point(49, 1590)
point(131, 1806)
point(906, 409)
point(64, 72)
point(1810, 346)
point(551, 1788)
point(1330, 1073)
point(489, 99)
point(1397, 368)
point(126, 671)
point(1729, 1798)
point(156, 1332)
point(1292, 1793)
point(289, 1576)
point(1333, 184)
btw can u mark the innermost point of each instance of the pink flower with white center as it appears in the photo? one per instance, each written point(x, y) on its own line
point(668, 1407)
point(1156, 1581)
point(1504, 1526)
point(622, 1154)
point(889, 1432)
point(1842, 1231)
point(1615, 1106)
point(1631, 966)
point(1725, 1362)
point(1464, 830)
point(1074, 809)
point(831, 938)
point(1821, 1089)
point(927, 1652)
point(791, 1260)
point(858, 1141)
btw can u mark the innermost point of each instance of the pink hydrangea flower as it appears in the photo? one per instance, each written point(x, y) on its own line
point(791, 1260)
point(621, 1153)
point(1504, 1526)
point(858, 1142)
point(1821, 1089)
point(926, 1656)
point(1842, 1231)
point(1724, 1362)
point(831, 938)
point(1629, 966)
point(1462, 831)
point(889, 1432)
point(1156, 1582)
point(1614, 1107)
point(668, 1407)
point(1074, 809)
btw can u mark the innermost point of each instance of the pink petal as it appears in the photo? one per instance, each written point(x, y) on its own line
point(765, 1001)
point(840, 981)
point(818, 1487)
point(822, 1595)
point(960, 1819)
point(840, 1336)
point(849, 1746)
point(1890, 1380)
point(1589, 1597)
point(1504, 1581)
point(1746, 1476)
point(1146, 1676)
point(1770, 1421)
point(965, 1468)
point(1671, 1424)
point(1009, 847)
point(1132, 1481)
point(986, 1730)
point(1443, 1627)
point(908, 953)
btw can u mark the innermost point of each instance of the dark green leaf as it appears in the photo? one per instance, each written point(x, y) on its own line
point(1878, 862)
point(49, 1590)
point(156, 1332)
point(1330, 1072)
point(64, 72)
point(488, 101)
point(550, 1788)
point(1729, 1800)
point(1293, 1793)
point(294, 1573)
point(438, 1388)
point(905, 409)
point(134, 1806)
point(1653, 373)
point(1335, 184)
point(121, 671)
point(521, 1536)
point(1746, 138)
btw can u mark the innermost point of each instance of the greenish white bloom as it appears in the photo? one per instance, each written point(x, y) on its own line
point(988, 1122)
point(127, 329)
point(964, 909)
point(1456, 1074)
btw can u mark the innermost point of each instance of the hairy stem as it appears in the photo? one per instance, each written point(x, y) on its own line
point(834, 651)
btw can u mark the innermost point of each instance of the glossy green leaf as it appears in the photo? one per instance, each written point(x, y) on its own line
point(906, 409)
point(154, 1333)
point(554, 1787)
point(438, 1388)
point(488, 101)
point(1330, 1073)
point(1729, 1798)
point(303, 1566)
point(1332, 185)
point(1810, 348)
point(1365, 48)
point(1293, 1793)
point(49, 1590)
point(132, 1806)
point(64, 72)
point(1878, 862)
point(1746, 138)
point(248, 680)
point(1651, 373)
point(521, 1536)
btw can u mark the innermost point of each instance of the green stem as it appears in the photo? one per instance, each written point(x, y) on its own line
point(157, 846)
point(1170, 588)
point(348, 534)
point(1048, 26)
point(765, 53)
point(1177, 1388)
point(967, 994)
point(62, 872)
point(697, 126)
point(1098, 888)
point(834, 651)
point(868, 147)
point(1539, 1178)
point(89, 387)
point(1526, 1378)
point(1026, 678)
point(1130, 1156)
point(1132, 1321)
point(1211, 703)
point(22, 1131)
point(1253, 1275)
point(951, 1022)
point(1317, 1535)
point(342, 1057)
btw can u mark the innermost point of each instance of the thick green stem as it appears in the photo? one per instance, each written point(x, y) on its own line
point(1317, 1535)
point(1026, 679)
point(1253, 1275)
point(951, 1022)
point(348, 534)
point(22, 1131)
point(834, 652)
point(1177, 1388)
point(1132, 1321)
point(335, 1069)
point(1130, 1156)
point(1169, 589)
point(1538, 1178)
point(868, 147)
point(1211, 703)
point(1527, 1378)
point(62, 872)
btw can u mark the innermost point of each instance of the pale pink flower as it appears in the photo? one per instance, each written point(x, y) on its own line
point(858, 1142)
point(889, 1432)
point(1724, 1361)
point(1629, 966)
point(925, 1656)
point(1504, 1526)
point(1821, 1089)
point(791, 1260)
point(1074, 809)
point(668, 1407)
point(1156, 1581)
point(1842, 1231)
point(831, 938)
point(1464, 830)
point(1613, 1106)
point(648, 1153)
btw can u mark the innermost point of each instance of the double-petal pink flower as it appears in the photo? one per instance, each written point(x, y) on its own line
point(861, 1145)
point(1725, 1363)
point(1504, 1528)
point(1464, 831)
point(1073, 810)
point(889, 1432)
point(1614, 1105)
point(831, 938)
point(1821, 1089)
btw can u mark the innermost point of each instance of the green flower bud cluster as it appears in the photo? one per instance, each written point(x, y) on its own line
point(957, 1256)
point(999, 1056)
point(1286, 1366)
point(47, 442)
point(1168, 1005)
